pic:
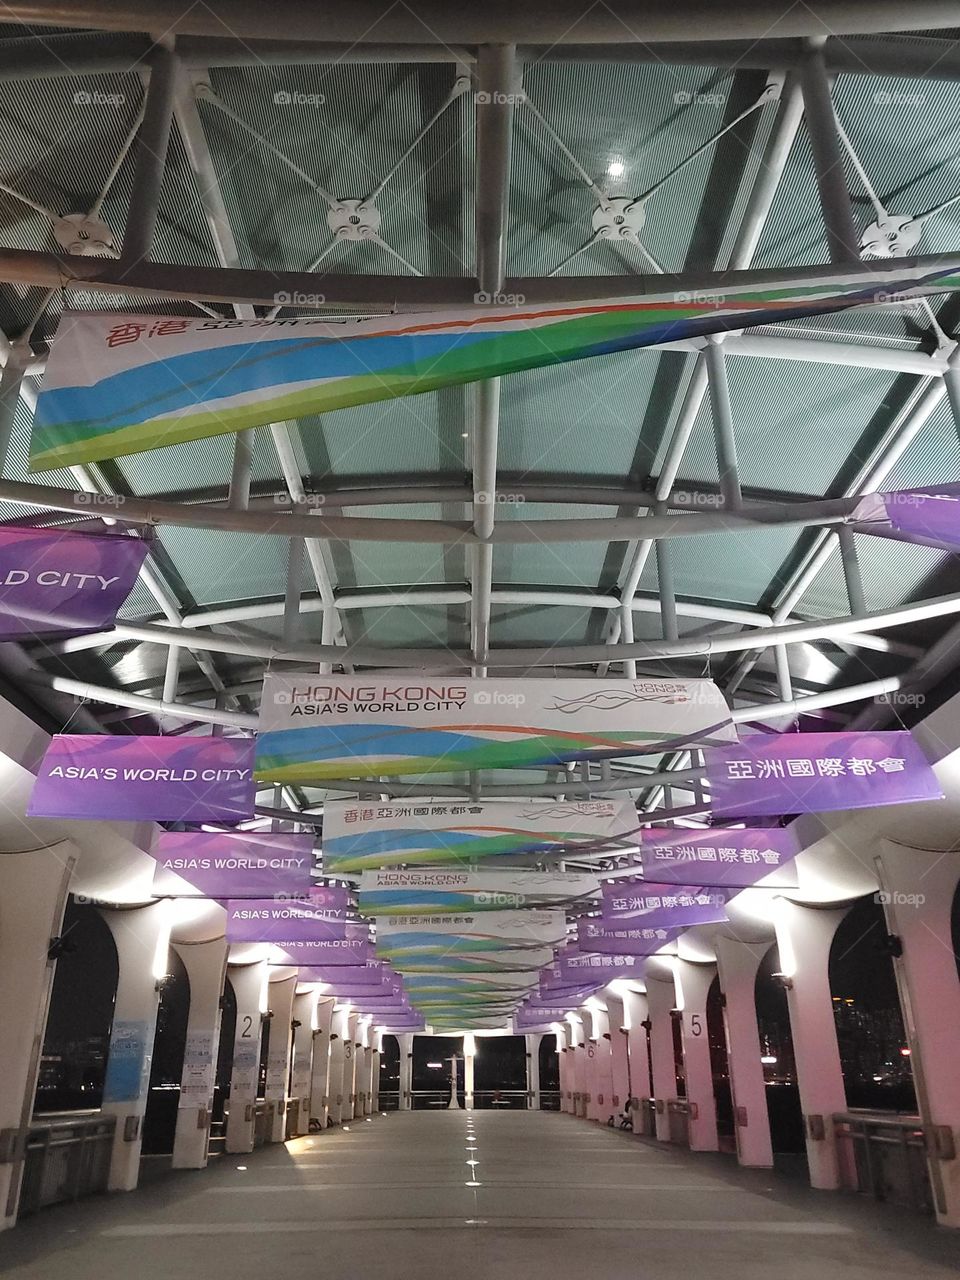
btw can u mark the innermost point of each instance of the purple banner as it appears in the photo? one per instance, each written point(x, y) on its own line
point(718, 856)
point(354, 979)
point(52, 580)
point(661, 904)
point(927, 515)
point(809, 772)
point(626, 940)
point(334, 952)
point(149, 778)
point(581, 966)
point(269, 920)
point(328, 897)
point(233, 864)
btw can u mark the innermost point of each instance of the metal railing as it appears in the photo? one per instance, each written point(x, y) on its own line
point(887, 1154)
point(66, 1157)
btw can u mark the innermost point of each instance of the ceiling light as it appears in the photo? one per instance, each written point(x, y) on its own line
point(616, 168)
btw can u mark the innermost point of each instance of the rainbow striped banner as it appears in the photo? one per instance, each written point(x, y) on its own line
point(317, 727)
point(392, 893)
point(120, 384)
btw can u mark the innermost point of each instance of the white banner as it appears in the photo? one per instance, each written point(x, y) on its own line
point(316, 727)
point(492, 929)
point(385, 893)
point(360, 836)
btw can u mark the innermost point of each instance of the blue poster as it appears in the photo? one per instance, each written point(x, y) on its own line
point(127, 1062)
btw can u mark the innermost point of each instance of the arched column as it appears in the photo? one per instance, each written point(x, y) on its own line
point(578, 1040)
point(660, 1000)
point(532, 1045)
point(206, 966)
point(281, 996)
point(737, 964)
point(691, 987)
point(361, 1105)
point(619, 1060)
point(600, 1067)
point(339, 1037)
point(636, 1015)
point(804, 935)
point(320, 1068)
point(376, 1050)
point(565, 1067)
point(249, 982)
point(33, 896)
point(469, 1070)
point(351, 1051)
point(142, 938)
point(298, 1103)
point(405, 1044)
point(918, 887)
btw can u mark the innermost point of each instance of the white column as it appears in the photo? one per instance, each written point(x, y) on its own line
point(919, 886)
point(298, 1103)
point(361, 1069)
point(804, 936)
point(281, 996)
point(376, 1046)
point(600, 1067)
point(737, 964)
point(660, 1000)
point(636, 1013)
point(565, 1055)
point(469, 1075)
point(338, 1056)
point(532, 1043)
point(320, 1071)
point(33, 894)
point(578, 1041)
point(142, 938)
point(691, 987)
point(206, 966)
point(620, 1066)
point(249, 982)
point(350, 1069)
point(405, 1042)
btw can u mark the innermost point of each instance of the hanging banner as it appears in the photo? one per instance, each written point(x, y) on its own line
point(116, 385)
point(176, 779)
point(625, 940)
point(527, 1019)
point(930, 516)
point(233, 864)
point(52, 580)
point(437, 961)
point(719, 856)
point(270, 920)
point(438, 984)
point(362, 837)
point(330, 952)
point(662, 904)
point(580, 966)
point(780, 773)
point(385, 893)
point(372, 977)
point(312, 727)
point(489, 931)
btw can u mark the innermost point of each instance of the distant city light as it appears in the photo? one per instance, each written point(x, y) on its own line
point(768, 1060)
point(435, 1065)
point(904, 1053)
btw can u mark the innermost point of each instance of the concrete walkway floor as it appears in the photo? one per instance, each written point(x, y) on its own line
point(463, 1195)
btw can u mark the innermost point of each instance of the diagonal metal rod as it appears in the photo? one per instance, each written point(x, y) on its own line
point(152, 142)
